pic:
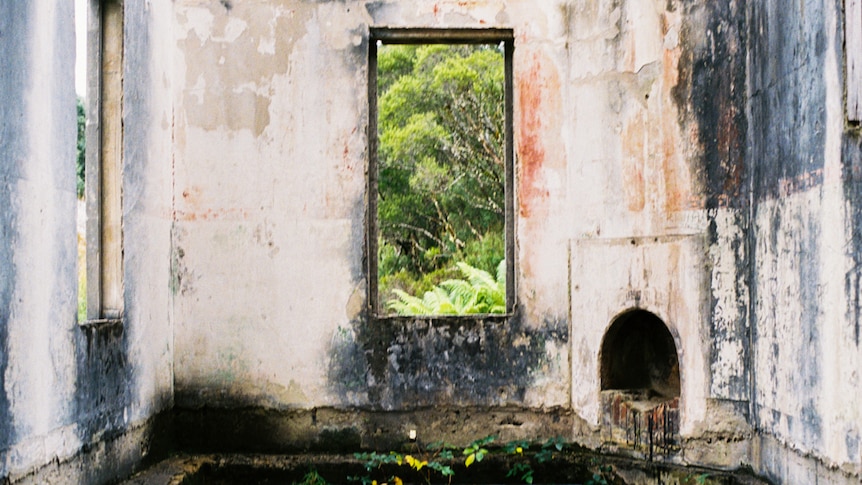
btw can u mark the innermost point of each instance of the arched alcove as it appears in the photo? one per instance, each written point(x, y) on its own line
point(638, 355)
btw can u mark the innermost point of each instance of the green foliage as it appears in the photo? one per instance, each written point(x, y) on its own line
point(312, 478)
point(476, 450)
point(437, 459)
point(82, 123)
point(699, 479)
point(598, 477)
point(522, 470)
point(477, 293)
point(441, 163)
point(82, 297)
point(82, 277)
point(432, 460)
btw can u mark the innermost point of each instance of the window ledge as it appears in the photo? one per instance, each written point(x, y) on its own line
point(101, 323)
point(446, 318)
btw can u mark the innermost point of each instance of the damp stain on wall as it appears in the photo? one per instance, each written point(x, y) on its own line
point(408, 363)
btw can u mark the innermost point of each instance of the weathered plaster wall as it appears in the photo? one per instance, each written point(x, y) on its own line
point(806, 353)
point(268, 198)
point(268, 245)
point(630, 132)
point(630, 126)
point(658, 202)
point(76, 403)
point(687, 158)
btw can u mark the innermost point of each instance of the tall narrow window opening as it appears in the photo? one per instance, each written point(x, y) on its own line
point(853, 52)
point(104, 149)
point(81, 92)
point(440, 178)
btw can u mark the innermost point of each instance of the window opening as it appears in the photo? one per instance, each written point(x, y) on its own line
point(104, 154)
point(81, 93)
point(853, 52)
point(440, 231)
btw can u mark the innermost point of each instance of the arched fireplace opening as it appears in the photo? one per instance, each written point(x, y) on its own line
point(640, 385)
point(639, 356)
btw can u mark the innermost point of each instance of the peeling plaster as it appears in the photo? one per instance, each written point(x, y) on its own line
point(689, 159)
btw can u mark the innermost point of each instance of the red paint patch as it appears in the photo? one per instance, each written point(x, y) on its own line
point(531, 151)
point(212, 215)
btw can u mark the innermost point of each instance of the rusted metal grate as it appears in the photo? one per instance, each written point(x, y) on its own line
point(635, 420)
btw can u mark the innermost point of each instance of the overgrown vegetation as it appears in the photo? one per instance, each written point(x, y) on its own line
point(82, 279)
point(441, 165)
point(82, 240)
point(436, 462)
point(478, 293)
point(312, 478)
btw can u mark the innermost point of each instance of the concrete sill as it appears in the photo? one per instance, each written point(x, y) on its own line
point(101, 323)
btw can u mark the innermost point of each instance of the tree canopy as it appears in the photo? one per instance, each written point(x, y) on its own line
point(79, 160)
point(441, 163)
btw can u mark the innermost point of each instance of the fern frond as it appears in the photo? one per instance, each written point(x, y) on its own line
point(407, 304)
point(476, 276)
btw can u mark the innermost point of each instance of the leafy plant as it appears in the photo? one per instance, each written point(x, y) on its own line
point(699, 479)
point(312, 478)
point(549, 448)
point(437, 459)
point(479, 292)
point(522, 470)
point(374, 461)
point(476, 450)
point(598, 477)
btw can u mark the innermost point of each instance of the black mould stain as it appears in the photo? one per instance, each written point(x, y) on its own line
point(852, 183)
point(711, 95)
point(228, 6)
point(415, 362)
point(103, 380)
point(811, 297)
point(711, 98)
point(803, 367)
point(788, 97)
point(348, 370)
